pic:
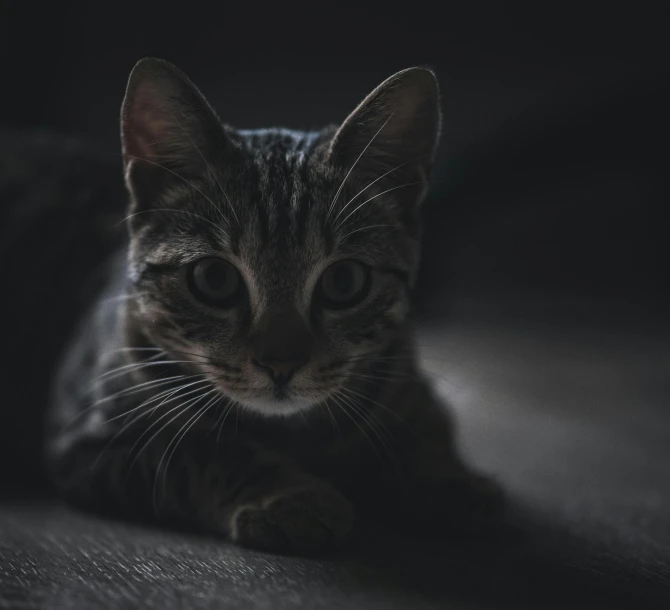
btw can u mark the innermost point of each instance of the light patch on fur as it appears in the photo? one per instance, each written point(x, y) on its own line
point(249, 277)
point(398, 311)
point(319, 266)
point(277, 408)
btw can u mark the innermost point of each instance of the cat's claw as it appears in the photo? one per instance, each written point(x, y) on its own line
point(303, 520)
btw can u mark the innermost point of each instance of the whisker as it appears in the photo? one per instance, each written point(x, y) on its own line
point(201, 356)
point(208, 405)
point(342, 405)
point(132, 349)
point(343, 376)
point(358, 207)
point(203, 381)
point(376, 180)
point(385, 375)
point(367, 415)
point(136, 366)
point(140, 387)
point(194, 420)
point(363, 229)
point(228, 408)
point(209, 167)
point(387, 361)
point(237, 421)
point(166, 395)
point(125, 392)
point(183, 407)
point(206, 359)
point(377, 355)
point(378, 404)
point(220, 416)
point(110, 355)
point(339, 190)
point(167, 169)
point(217, 227)
point(129, 424)
point(379, 429)
point(216, 421)
point(336, 426)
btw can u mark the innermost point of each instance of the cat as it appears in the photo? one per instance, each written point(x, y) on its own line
point(249, 368)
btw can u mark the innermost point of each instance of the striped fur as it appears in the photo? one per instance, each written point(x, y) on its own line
point(357, 430)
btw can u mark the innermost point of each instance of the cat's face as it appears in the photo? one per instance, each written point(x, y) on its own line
point(262, 258)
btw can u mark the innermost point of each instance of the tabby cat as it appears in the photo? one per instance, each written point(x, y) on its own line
point(249, 368)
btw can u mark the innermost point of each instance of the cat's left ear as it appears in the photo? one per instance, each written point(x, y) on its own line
point(169, 132)
point(394, 131)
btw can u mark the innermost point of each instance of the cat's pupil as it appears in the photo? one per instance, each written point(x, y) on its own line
point(216, 276)
point(343, 280)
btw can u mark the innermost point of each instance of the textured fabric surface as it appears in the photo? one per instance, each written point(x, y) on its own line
point(574, 421)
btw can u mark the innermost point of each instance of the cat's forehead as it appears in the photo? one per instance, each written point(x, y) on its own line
point(282, 230)
point(281, 209)
point(281, 141)
point(279, 198)
point(286, 207)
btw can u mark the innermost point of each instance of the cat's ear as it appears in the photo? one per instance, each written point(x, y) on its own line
point(394, 130)
point(169, 132)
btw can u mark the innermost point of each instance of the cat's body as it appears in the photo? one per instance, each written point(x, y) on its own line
point(249, 368)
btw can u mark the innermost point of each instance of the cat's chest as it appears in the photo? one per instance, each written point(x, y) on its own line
point(337, 450)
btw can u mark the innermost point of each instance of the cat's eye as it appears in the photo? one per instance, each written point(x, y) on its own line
point(215, 282)
point(344, 284)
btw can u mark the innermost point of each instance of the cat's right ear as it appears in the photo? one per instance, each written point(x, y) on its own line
point(393, 133)
point(169, 133)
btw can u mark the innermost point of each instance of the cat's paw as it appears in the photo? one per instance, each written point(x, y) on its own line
point(299, 520)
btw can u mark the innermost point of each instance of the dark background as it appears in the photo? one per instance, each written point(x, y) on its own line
point(550, 185)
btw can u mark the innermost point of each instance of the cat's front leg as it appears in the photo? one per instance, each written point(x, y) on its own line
point(258, 498)
point(433, 488)
point(442, 489)
point(301, 515)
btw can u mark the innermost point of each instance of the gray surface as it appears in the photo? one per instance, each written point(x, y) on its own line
point(573, 420)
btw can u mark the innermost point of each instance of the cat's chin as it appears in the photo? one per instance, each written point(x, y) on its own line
point(272, 407)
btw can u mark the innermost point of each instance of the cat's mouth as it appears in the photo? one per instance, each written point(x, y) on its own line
point(280, 394)
point(277, 400)
point(277, 406)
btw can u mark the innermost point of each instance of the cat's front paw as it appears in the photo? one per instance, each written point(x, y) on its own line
point(299, 520)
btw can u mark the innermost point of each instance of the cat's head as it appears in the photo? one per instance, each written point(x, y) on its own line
point(275, 261)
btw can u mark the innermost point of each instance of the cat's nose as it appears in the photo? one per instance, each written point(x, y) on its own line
point(282, 345)
point(280, 372)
